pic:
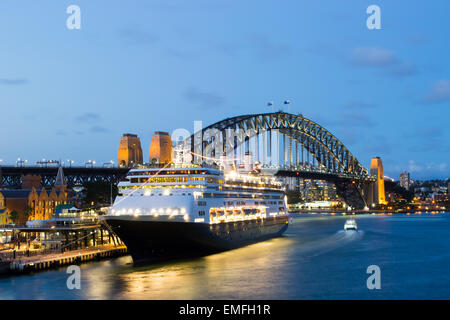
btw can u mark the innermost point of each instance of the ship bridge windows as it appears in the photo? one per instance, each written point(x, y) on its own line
point(163, 180)
point(196, 179)
point(174, 172)
point(249, 211)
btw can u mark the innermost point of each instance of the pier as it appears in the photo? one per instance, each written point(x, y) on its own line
point(52, 243)
point(56, 260)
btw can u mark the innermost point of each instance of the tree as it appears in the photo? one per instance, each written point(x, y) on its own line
point(28, 211)
point(293, 196)
point(14, 216)
point(99, 193)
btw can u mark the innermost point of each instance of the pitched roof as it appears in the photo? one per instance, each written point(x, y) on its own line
point(19, 193)
point(65, 206)
point(60, 181)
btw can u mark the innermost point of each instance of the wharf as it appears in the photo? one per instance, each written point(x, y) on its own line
point(55, 260)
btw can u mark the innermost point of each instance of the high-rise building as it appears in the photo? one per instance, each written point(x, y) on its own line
point(405, 181)
point(376, 169)
point(160, 148)
point(130, 151)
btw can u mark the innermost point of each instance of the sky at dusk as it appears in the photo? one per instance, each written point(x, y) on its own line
point(145, 66)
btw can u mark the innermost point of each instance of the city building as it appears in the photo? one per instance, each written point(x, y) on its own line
point(30, 181)
point(31, 202)
point(405, 180)
point(376, 169)
point(160, 148)
point(4, 212)
point(130, 150)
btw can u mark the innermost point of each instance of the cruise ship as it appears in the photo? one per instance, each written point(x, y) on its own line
point(181, 211)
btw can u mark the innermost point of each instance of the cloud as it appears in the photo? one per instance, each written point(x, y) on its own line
point(98, 129)
point(88, 117)
point(372, 57)
point(259, 45)
point(403, 69)
point(381, 59)
point(204, 99)
point(425, 133)
point(377, 144)
point(427, 139)
point(13, 82)
point(431, 166)
point(440, 92)
point(137, 36)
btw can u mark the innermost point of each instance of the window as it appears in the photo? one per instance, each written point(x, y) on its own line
point(201, 213)
point(202, 203)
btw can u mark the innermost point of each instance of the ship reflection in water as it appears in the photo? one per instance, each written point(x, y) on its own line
point(315, 259)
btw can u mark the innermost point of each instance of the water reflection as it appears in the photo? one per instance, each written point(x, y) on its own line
point(315, 259)
point(214, 276)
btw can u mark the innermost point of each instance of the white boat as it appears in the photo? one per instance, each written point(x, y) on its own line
point(350, 224)
point(182, 210)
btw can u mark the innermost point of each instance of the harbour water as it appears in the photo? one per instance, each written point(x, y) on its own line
point(315, 259)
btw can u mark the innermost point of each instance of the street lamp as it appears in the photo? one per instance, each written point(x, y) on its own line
point(70, 162)
point(20, 162)
point(90, 163)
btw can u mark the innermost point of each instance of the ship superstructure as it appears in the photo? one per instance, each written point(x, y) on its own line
point(183, 210)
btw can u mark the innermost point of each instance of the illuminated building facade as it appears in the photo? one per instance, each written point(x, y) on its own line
point(376, 169)
point(160, 148)
point(130, 150)
point(316, 190)
point(4, 212)
point(31, 202)
point(405, 181)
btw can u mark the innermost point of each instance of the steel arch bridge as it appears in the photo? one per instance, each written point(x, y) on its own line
point(307, 150)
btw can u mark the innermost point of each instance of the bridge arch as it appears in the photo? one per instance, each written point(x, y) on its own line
point(321, 144)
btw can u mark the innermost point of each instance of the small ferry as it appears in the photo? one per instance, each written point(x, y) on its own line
point(350, 224)
point(188, 210)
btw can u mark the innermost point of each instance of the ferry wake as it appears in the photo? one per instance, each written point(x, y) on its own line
point(189, 210)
